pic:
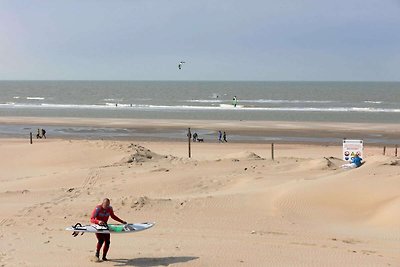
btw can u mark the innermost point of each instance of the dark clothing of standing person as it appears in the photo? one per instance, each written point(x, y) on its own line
point(44, 133)
point(225, 137)
point(195, 135)
point(220, 136)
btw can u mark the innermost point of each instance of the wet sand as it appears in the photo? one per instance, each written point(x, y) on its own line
point(240, 131)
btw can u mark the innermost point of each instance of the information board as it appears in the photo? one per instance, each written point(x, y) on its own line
point(352, 148)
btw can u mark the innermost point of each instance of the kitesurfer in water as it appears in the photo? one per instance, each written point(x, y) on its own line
point(234, 101)
point(100, 216)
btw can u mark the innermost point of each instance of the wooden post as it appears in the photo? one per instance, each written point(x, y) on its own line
point(189, 139)
point(30, 137)
point(384, 150)
point(272, 151)
point(395, 151)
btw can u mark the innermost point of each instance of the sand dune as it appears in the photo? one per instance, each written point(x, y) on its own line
point(247, 155)
point(223, 207)
point(142, 154)
point(357, 195)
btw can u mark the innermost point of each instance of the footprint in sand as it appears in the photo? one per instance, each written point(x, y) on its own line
point(347, 241)
point(303, 244)
point(267, 233)
point(368, 252)
point(95, 259)
point(351, 241)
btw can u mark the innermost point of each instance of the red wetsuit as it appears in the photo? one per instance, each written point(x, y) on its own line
point(101, 214)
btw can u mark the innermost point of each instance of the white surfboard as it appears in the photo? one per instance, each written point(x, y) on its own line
point(110, 228)
point(230, 106)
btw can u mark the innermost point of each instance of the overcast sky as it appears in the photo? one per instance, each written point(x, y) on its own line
point(219, 39)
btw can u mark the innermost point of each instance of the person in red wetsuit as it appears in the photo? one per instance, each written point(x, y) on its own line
point(100, 216)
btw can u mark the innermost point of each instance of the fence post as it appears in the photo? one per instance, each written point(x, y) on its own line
point(30, 137)
point(384, 150)
point(189, 139)
point(395, 151)
point(272, 151)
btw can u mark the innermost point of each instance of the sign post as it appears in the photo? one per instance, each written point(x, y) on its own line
point(272, 151)
point(352, 148)
point(189, 135)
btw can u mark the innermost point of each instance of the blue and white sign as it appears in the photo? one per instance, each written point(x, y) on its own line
point(352, 148)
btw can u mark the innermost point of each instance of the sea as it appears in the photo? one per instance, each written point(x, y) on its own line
point(374, 102)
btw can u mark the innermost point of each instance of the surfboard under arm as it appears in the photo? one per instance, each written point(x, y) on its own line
point(110, 228)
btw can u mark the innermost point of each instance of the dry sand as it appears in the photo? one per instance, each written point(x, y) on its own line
point(230, 205)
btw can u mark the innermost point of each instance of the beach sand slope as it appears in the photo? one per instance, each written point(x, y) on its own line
point(230, 205)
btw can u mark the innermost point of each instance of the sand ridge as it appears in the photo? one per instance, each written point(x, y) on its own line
point(230, 205)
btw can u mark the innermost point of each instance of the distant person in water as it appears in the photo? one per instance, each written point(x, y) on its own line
point(234, 101)
point(355, 163)
point(225, 137)
point(220, 136)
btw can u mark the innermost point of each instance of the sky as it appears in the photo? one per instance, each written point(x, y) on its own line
point(293, 40)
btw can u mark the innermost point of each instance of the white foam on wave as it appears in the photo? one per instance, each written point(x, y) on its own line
point(117, 105)
point(35, 98)
point(113, 99)
point(188, 107)
point(203, 101)
point(16, 97)
point(284, 101)
point(68, 106)
point(110, 104)
point(260, 101)
point(373, 102)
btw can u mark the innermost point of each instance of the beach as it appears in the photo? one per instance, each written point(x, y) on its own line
point(176, 130)
point(228, 205)
point(199, 133)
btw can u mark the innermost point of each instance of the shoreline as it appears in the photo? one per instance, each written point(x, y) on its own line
point(175, 130)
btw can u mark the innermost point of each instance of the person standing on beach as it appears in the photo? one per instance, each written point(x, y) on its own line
point(100, 216)
point(225, 137)
point(220, 136)
point(44, 133)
